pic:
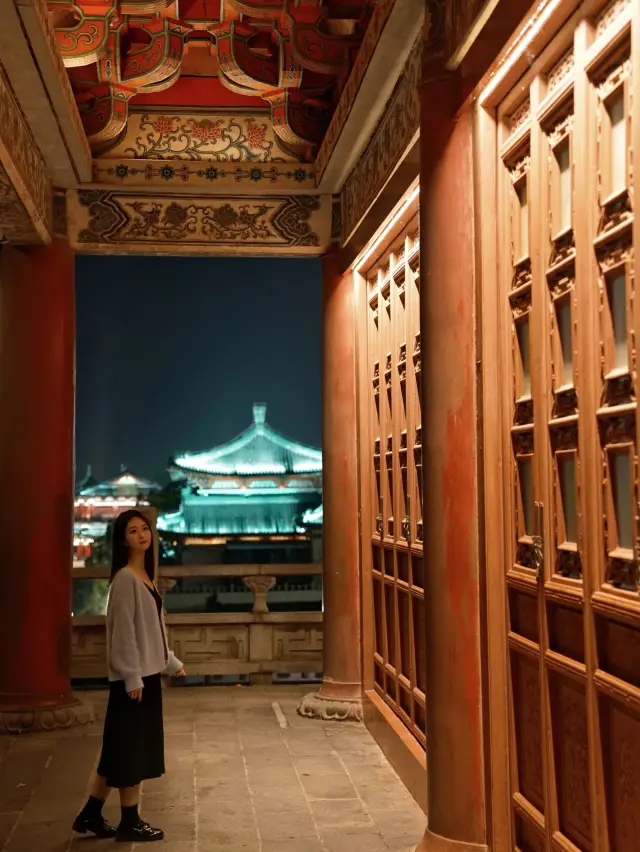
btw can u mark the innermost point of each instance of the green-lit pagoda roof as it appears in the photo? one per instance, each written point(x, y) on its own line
point(259, 450)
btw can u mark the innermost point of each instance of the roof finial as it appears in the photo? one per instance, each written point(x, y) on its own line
point(259, 413)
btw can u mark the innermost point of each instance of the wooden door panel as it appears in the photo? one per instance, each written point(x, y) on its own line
point(568, 308)
point(527, 717)
point(620, 725)
point(394, 475)
point(565, 627)
point(523, 612)
point(570, 739)
point(619, 650)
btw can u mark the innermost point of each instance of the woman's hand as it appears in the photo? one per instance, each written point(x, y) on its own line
point(136, 694)
point(180, 673)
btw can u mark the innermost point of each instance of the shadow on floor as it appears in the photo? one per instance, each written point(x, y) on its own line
point(237, 780)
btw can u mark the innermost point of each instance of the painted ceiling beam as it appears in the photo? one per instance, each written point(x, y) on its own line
point(43, 90)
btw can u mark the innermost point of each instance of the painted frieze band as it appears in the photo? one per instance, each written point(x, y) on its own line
point(103, 220)
point(393, 135)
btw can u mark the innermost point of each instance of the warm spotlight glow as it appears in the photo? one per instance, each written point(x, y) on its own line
point(528, 33)
point(387, 228)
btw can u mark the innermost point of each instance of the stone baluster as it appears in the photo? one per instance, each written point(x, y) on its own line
point(260, 586)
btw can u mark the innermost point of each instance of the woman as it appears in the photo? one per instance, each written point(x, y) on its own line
point(137, 654)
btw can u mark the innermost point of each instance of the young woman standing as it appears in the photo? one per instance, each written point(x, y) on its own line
point(138, 655)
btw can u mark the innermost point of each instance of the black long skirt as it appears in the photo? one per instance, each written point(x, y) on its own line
point(133, 739)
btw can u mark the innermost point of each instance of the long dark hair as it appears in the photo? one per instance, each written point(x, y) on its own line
point(120, 550)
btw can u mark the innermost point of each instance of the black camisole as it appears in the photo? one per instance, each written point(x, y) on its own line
point(156, 596)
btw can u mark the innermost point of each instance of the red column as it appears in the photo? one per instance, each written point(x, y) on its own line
point(340, 697)
point(453, 590)
point(37, 337)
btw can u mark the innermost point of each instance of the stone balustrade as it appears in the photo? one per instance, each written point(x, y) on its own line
point(258, 643)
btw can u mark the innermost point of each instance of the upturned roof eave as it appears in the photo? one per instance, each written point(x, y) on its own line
point(222, 452)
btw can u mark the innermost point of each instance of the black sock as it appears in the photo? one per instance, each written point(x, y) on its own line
point(130, 816)
point(93, 808)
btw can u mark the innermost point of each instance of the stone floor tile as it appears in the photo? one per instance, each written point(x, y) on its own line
point(309, 748)
point(339, 813)
point(329, 786)
point(92, 844)
point(264, 762)
point(285, 826)
point(272, 779)
point(7, 823)
point(179, 726)
point(305, 845)
point(210, 790)
point(168, 808)
point(400, 828)
point(53, 836)
point(375, 759)
point(178, 798)
point(211, 765)
point(227, 744)
point(237, 845)
point(210, 834)
point(386, 798)
point(226, 812)
point(325, 764)
point(287, 799)
point(350, 840)
point(177, 824)
point(21, 771)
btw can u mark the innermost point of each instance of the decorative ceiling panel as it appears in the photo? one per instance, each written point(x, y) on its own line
point(292, 57)
point(222, 137)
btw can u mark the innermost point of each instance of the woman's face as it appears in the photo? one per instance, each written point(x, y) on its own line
point(138, 535)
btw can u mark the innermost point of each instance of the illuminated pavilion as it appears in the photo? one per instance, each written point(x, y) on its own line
point(97, 504)
point(251, 494)
point(468, 172)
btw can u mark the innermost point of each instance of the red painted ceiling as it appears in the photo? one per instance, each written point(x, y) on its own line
point(293, 56)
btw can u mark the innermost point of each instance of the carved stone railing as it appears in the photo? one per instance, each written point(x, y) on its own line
point(258, 643)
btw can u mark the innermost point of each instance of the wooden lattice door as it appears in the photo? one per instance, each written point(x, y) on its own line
point(392, 533)
point(569, 307)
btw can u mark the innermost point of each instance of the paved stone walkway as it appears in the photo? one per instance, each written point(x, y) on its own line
point(240, 778)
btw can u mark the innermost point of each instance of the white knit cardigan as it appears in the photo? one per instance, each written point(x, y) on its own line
point(136, 638)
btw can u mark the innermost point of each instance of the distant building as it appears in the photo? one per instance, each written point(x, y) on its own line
point(97, 504)
point(251, 500)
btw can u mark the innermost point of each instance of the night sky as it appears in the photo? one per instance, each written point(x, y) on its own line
point(173, 352)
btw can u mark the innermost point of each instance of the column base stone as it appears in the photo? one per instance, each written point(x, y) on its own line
point(19, 720)
point(316, 705)
point(435, 843)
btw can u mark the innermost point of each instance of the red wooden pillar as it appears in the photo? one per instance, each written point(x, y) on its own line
point(453, 590)
point(37, 342)
point(340, 697)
